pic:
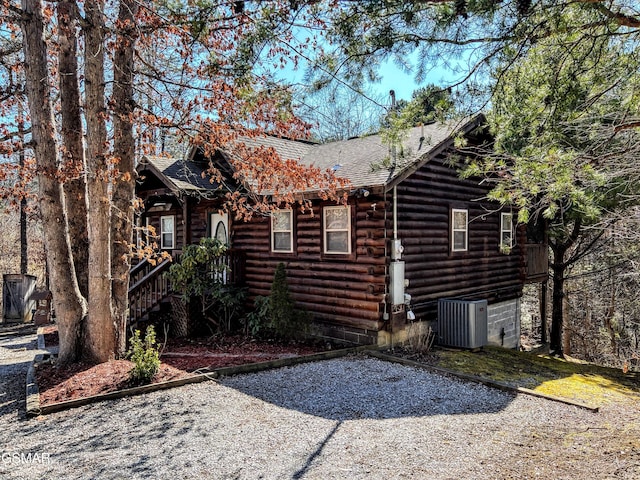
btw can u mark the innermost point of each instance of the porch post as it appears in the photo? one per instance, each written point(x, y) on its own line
point(186, 234)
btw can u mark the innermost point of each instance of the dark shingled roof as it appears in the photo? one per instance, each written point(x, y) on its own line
point(364, 161)
point(180, 174)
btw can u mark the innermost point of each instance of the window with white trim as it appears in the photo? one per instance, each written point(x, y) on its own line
point(459, 230)
point(506, 231)
point(282, 231)
point(167, 232)
point(336, 223)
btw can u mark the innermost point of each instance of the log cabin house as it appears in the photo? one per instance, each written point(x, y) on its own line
point(412, 233)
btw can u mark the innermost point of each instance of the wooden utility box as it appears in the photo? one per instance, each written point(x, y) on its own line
point(42, 313)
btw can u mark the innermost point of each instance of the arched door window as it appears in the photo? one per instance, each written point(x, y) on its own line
point(221, 232)
point(220, 227)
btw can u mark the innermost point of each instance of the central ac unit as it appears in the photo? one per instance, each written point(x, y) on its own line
point(462, 323)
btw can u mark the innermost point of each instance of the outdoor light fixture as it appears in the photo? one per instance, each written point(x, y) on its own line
point(360, 193)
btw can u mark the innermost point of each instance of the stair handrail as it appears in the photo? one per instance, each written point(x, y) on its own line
point(159, 268)
point(149, 291)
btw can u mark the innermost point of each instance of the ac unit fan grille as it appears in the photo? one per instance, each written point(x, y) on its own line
point(462, 323)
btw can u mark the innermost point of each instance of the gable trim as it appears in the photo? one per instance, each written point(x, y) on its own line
point(146, 164)
point(467, 128)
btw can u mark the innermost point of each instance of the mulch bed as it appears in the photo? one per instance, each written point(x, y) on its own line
point(180, 358)
point(50, 334)
point(217, 352)
point(84, 380)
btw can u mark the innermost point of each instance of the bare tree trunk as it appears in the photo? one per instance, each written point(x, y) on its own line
point(68, 302)
point(124, 150)
point(609, 317)
point(24, 258)
point(559, 266)
point(73, 161)
point(100, 331)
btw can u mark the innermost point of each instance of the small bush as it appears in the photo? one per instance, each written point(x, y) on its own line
point(145, 356)
point(258, 319)
point(420, 338)
point(284, 319)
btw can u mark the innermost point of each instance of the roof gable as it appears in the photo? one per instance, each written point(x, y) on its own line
point(179, 175)
point(363, 161)
point(368, 162)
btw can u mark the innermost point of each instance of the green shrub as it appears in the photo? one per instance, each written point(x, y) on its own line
point(145, 356)
point(201, 274)
point(284, 319)
point(258, 319)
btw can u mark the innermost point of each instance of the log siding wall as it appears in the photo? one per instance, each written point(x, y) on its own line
point(345, 290)
point(425, 201)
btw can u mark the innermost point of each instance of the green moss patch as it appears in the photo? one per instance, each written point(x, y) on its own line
point(580, 382)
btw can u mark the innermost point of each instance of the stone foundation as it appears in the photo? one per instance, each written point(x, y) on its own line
point(504, 315)
point(341, 334)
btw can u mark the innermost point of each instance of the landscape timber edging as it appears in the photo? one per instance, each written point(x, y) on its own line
point(40, 333)
point(32, 394)
point(484, 381)
point(33, 407)
point(33, 398)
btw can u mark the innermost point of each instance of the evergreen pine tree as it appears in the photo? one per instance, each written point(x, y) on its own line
point(285, 320)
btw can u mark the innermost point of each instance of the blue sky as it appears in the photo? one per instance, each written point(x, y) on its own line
point(403, 83)
point(392, 76)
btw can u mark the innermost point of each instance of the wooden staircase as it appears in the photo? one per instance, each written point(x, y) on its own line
point(148, 289)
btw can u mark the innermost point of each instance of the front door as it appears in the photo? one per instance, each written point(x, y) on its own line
point(220, 230)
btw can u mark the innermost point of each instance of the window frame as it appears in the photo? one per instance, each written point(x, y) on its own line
point(455, 230)
point(274, 230)
point(163, 246)
point(326, 232)
point(504, 230)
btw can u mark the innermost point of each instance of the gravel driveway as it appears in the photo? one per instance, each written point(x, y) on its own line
point(347, 418)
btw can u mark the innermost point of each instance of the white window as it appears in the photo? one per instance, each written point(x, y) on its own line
point(459, 229)
point(282, 231)
point(506, 231)
point(337, 229)
point(167, 232)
